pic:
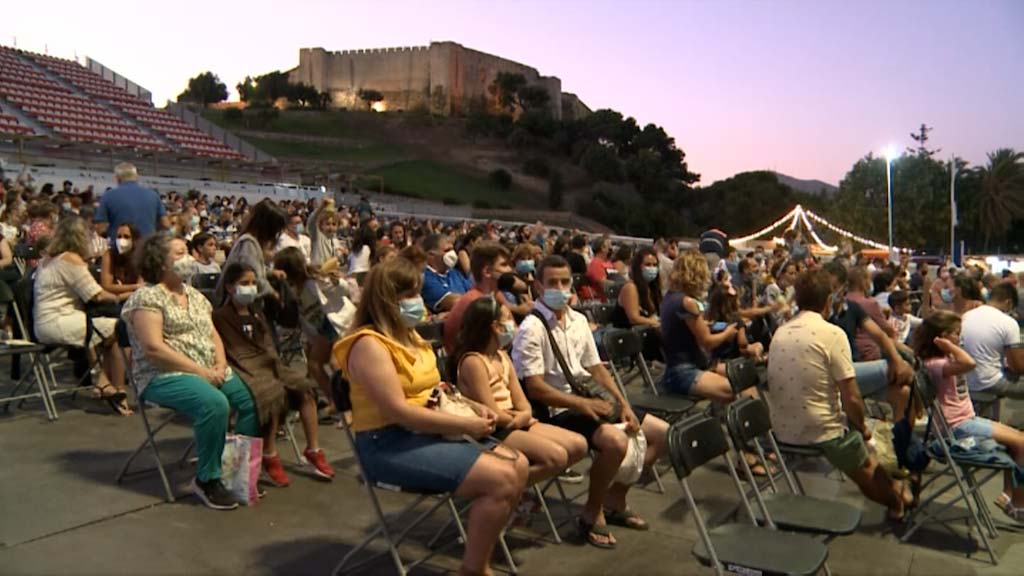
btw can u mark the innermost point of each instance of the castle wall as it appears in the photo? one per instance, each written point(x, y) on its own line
point(445, 77)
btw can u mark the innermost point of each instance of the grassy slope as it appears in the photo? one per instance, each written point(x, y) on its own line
point(371, 145)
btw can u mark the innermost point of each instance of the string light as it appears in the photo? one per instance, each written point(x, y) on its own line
point(799, 214)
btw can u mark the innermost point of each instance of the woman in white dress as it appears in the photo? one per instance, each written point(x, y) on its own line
point(62, 288)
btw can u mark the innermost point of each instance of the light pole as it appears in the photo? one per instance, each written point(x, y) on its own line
point(891, 153)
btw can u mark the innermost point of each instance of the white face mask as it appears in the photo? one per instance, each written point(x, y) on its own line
point(451, 258)
point(184, 268)
point(124, 245)
point(245, 295)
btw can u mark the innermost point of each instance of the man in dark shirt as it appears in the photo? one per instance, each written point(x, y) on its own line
point(130, 203)
point(893, 372)
point(577, 263)
point(919, 278)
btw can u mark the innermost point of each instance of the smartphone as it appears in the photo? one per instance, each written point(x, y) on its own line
point(719, 326)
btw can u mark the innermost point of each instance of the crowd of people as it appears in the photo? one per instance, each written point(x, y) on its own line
point(217, 294)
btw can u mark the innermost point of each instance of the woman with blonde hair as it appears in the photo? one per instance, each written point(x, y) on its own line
point(62, 288)
point(400, 440)
point(686, 335)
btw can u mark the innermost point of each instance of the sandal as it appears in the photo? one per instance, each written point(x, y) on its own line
point(757, 469)
point(627, 519)
point(99, 392)
point(590, 534)
point(1014, 513)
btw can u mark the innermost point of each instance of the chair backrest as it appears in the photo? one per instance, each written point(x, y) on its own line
point(121, 333)
point(622, 344)
point(695, 441)
point(431, 331)
point(742, 374)
point(24, 300)
point(205, 281)
point(612, 289)
point(26, 252)
point(748, 419)
point(602, 314)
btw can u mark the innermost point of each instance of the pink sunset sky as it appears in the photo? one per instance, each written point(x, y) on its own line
point(802, 87)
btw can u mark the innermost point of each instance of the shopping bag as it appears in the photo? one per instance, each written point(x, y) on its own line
point(240, 467)
point(881, 445)
point(633, 464)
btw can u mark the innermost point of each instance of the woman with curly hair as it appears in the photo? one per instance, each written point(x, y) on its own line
point(687, 336)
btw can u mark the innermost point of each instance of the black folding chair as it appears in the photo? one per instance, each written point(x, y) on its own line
point(432, 332)
point(961, 473)
point(750, 425)
point(601, 314)
point(123, 343)
point(734, 547)
point(207, 285)
point(396, 531)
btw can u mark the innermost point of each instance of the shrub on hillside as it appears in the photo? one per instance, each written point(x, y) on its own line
point(521, 139)
point(537, 166)
point(233, 114)
point(500, 179)
point(556, 188)
point(602, 164)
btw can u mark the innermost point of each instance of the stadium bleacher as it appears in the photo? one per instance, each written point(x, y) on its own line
point(102, 113)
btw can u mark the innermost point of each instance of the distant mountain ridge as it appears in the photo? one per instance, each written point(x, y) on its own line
point(808, 186)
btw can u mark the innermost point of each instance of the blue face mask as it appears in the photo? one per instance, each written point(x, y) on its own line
point(525, 266)
point(984, 294)
point(299, 229)
point(412, 310)
point(947, 295)
point(556, 299)
point(650, 273)
point(506, 335)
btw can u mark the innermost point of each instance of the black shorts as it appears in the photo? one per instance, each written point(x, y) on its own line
point(585, 425)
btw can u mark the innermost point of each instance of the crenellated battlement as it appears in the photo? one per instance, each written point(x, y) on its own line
point(389, 50)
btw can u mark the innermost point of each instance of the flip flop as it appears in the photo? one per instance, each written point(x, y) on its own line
point(627, 519)
point(588, 531)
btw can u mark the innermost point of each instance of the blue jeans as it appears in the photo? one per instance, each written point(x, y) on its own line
point(872, 377)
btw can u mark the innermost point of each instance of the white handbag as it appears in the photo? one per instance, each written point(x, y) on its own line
point(633, 464)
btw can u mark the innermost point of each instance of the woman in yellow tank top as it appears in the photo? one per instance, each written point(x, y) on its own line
point(485, 374)
point(392, 372)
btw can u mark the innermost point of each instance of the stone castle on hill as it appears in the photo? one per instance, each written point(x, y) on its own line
point(445, 78)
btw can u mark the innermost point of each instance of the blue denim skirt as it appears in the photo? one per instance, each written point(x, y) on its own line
point(418, 462)
point(679, 379)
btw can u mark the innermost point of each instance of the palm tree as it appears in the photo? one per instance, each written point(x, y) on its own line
point(1001, 198)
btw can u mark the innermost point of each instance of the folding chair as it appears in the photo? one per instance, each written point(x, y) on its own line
point(749, 424)
point(734, 547)
point(627, 345)
point(206, 284)
point(123, 342)
point(388, 530)
point(432, 332)
point(959, 469)
point(35, 375)
point(24, 301)
point(602, 314)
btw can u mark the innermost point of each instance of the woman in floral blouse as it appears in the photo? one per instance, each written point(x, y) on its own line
point(178, 360)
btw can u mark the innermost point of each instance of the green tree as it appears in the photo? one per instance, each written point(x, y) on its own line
point(1001, 194)
point(505, 87)
point(304, 95)
point(500, 179)
point(533, 98)
point(556, 190)
point(370, 96)
point(602, 164)
point(206, 88)
point(264, 90)
point(921, 137)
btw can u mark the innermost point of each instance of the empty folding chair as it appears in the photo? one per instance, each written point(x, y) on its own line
point(206, 284)
point(750, 425)
point(395, 531)
point(959, 467)
point(627, 345)
point(123, 343)
point(735, 547)
point(432, 332)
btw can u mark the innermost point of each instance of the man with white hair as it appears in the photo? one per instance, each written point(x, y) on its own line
point(129, 203)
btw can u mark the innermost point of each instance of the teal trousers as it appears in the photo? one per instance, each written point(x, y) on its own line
point(209, 408)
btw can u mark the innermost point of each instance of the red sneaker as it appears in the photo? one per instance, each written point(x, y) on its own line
point(320, 466)
point(275, 471)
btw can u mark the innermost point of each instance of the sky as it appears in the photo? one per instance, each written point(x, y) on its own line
point(799, 86)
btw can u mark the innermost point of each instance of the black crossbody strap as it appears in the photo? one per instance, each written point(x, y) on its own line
point(558, 353)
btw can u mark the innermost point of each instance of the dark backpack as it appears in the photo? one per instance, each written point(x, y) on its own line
point(909, 447)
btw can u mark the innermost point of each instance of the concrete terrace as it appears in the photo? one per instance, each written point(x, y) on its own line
point(62, 513)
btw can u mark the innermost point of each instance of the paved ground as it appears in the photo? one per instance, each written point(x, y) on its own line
point(62, 513)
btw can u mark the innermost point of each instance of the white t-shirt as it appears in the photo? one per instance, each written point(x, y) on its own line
point(985, 334)
point(359, 261)
point(302, 243)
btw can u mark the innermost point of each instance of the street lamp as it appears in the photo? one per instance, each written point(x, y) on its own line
point(891, 153)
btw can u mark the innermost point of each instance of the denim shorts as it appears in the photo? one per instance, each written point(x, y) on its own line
point(872, 377)
point(679, 379)
point(977, 427)
point(418, 462)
